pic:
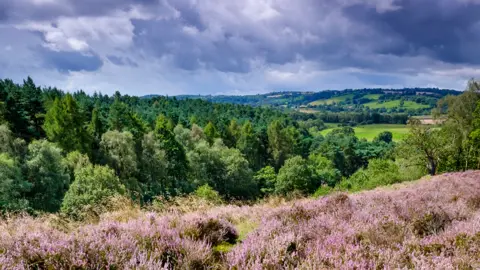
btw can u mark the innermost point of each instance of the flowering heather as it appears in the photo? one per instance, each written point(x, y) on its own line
point(430, 224)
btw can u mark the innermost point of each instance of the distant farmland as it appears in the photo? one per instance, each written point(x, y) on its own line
point(395, 104)
point(369, 132)
point(332, 100)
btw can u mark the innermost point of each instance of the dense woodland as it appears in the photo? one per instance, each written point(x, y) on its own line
point(349, 107)
point(70, 152)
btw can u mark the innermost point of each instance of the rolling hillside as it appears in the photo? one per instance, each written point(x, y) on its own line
point(416, 101)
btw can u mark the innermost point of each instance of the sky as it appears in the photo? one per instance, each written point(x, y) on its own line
point(175, 47)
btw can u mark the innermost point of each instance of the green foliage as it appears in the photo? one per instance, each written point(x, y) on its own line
point(323, 170)
point(119, 151)
point(266, 178)
point(211, 132)
point(232, 133)
point(223, 168)
point(295, 175)
point(93, 187)
point(208, 193)
point(48, 175)
point(76, 160)
point(409, 171)
point(281, 143)
point(379, 173)
point(12, 185)
point(238, 181)
point(385, 136)
point(177, 167)
point(14, 147)
point(459, 149)
point(154, 178)
point(64, 125)
point(24, 108)
point(323, 191)
point(248, 143)
point(96, 127)
point(117, 119)
point(423, 145)
point(340, 146)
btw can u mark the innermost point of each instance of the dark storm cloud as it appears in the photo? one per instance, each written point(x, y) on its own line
point(446, 30)
point(224, 36)
point(353, 37)
point(70, 61)
point(372, 41)
point(169, 39)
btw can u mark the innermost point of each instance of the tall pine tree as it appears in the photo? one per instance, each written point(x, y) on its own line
point(64, 124)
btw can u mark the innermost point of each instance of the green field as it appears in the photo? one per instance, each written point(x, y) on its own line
point(373, 96)
point(369, 132)
point(331, 100)
point(395, 104)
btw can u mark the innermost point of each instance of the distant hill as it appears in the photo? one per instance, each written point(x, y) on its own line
point(414, 101)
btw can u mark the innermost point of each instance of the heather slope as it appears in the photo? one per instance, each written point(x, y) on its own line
point(431, 223)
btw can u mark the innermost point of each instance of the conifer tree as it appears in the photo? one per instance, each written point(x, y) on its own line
point(64, 125)
point(175, 154)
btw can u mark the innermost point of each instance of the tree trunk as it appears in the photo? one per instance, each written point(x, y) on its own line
point(433, 166)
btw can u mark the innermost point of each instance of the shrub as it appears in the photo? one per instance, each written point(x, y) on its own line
point(385, 136)
point(430, 223)
point(379, 173)
point(322, 191)
point(209, 194)
point(385, 234)
point(212, 230)
point(92, 189)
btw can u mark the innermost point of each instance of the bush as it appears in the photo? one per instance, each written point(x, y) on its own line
point(322, 191)
point(409, 170)
point(209, 194)
point(93, 187)
point(385, 136)
point(379, 173)
point(431, 223)
point(213, 231)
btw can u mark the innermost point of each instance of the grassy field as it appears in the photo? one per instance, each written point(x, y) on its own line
point(307, 110)
point(395, 104)
point(373, 96)
point(331, 100)
point(369, 132)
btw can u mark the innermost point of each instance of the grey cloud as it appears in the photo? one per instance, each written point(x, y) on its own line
point(228, 36)
point(122, 61)
point(70, 61)
point(20, 10)
point(404, 37)
point(445, 30)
